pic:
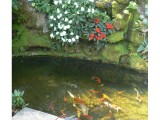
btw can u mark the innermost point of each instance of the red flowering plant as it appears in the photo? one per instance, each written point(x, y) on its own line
point(99, 30)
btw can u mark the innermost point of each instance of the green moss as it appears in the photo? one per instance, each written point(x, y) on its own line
point(29, 38)
point(138, 63)
point(136, 38)
point(113, 52)
point(116, 37)
point(120, 24)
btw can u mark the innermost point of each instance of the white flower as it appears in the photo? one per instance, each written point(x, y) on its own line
point(126, 12)
point(55, 2)
point(68, 26)
point(64, 40)
point(51, 17)
point(62, 6)
point(89, 10)
point(82, 8)
point(71, 33)
point(57, 33)
point(55, 28)
point(92, 10)
point(66, 19)
point(58, 11)
point(65, 12)
point(77, 37)
point(91, 0)
point(69, 40)
point(78, 12)
point(51, 25)
point(76, 4)
point(58, 16)
point(64, 28)
point(69, 1)
point(60, 2)
point(54, 19)
point(51, 35)
point(70, 21)
point(63, 33)
point(73, 39)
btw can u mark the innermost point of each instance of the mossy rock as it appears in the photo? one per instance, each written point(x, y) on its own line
point(120, 24)
point(30, 38)
point(138, 63)
point(113, 52)
point(136, 38)
point(116, 37)
point(124, 60)
point(132, 47)
point(118, 8)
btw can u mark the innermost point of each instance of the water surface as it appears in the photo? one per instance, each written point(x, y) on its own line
point(46, 81)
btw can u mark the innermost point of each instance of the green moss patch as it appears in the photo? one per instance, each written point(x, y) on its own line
point(116, 37)
point(113, 52)
point(29, 38)
point(138, 63)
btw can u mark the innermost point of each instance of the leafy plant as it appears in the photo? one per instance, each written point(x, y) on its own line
point(143, 49)
point(17, 99)
point(15, 4)
point(70, 20)
point(132, 5)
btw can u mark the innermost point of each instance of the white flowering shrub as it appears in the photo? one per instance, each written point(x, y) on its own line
point(67, 18)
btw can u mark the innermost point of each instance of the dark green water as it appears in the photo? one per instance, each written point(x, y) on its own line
point(46, 80)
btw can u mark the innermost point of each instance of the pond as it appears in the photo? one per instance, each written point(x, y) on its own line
point(70, 86)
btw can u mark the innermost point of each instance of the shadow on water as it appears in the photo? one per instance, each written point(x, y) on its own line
point(46, 80)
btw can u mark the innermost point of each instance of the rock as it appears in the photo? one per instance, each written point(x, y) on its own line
point(120, 24)
point(31, 114)
point(137, 38)
point(116, 37)
point(124, 60)
point(138, 63)
point(113, 52)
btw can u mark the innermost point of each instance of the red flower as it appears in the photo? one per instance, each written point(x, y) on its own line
point(91, 36)
point(97, 20)
point(103, 35)
point(98, 30)
point(109, 26)
point(98, 37)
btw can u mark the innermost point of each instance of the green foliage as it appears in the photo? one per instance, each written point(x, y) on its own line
point(143, 49)
point(70, 20)
point(15, 4)
point(132, 5)
point(17, 99)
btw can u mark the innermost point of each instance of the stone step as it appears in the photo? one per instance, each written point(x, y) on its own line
point(31, 114)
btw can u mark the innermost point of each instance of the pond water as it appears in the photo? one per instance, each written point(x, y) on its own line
point(47, 82)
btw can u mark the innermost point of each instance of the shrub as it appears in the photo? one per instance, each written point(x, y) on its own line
point(70, 20)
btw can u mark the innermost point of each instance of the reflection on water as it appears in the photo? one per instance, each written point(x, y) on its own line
point(46, 81)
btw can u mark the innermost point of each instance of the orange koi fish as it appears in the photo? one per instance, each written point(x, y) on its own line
point(106, 96)
point(94, 91)
point(87, 116)
point(78, 100)
point(97, 79)
point(102, 99)
point(65, 99)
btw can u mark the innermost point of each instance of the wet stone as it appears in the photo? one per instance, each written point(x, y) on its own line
point(31, 114)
